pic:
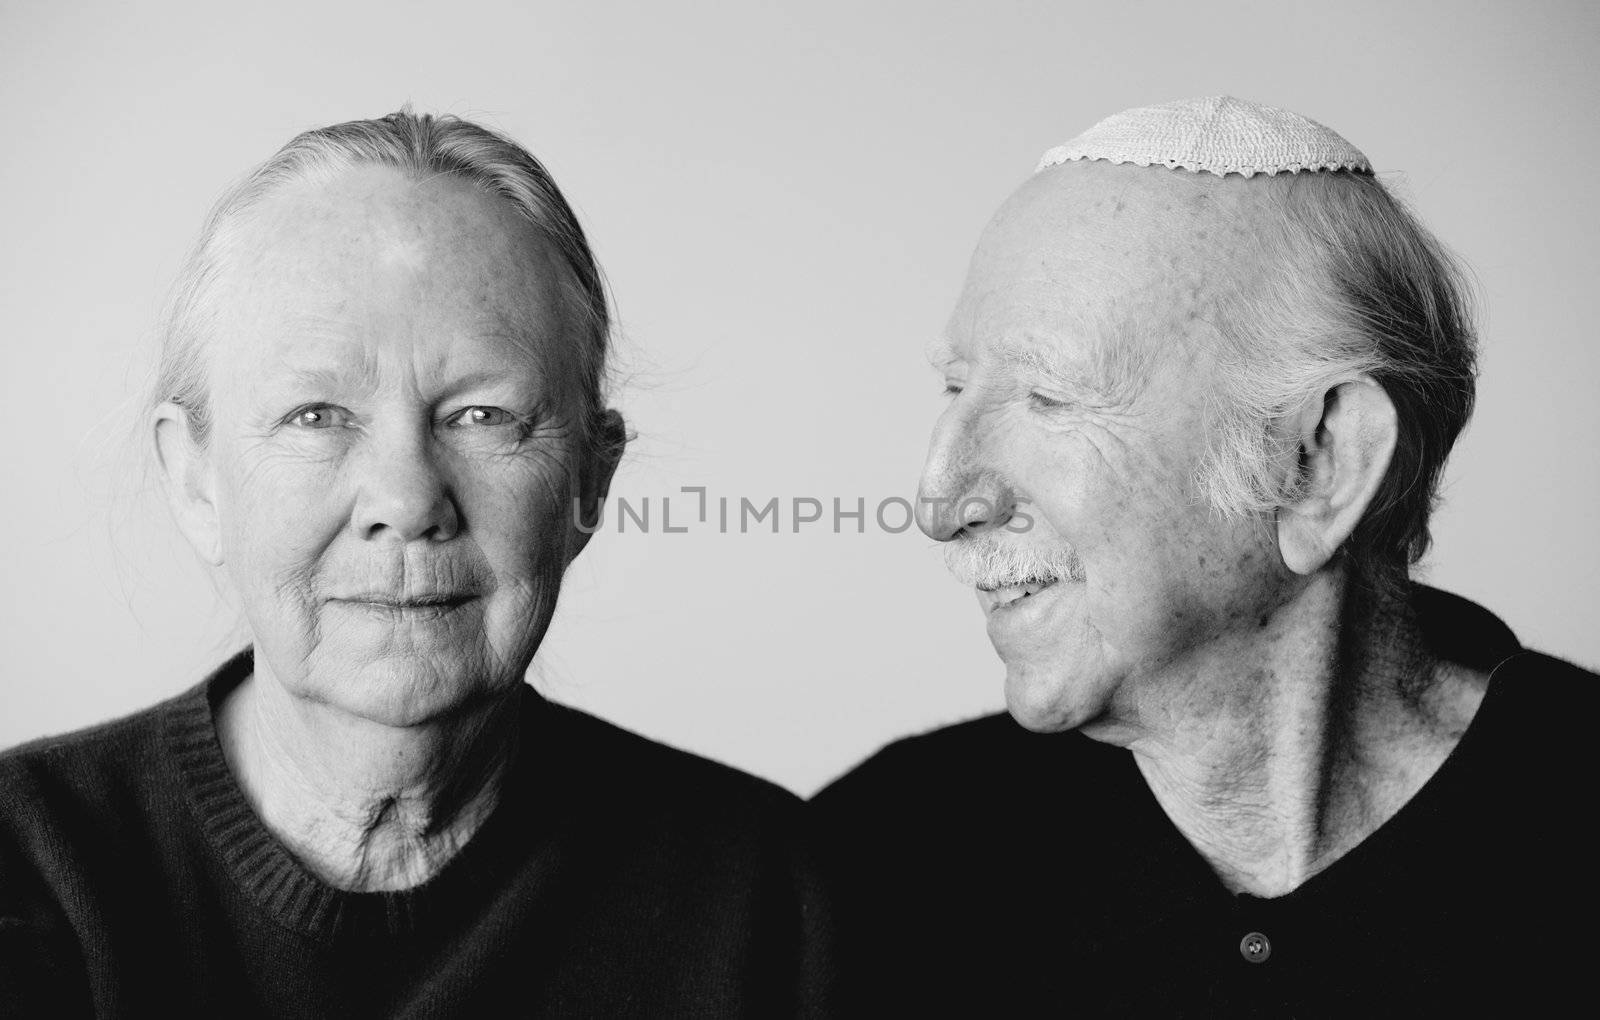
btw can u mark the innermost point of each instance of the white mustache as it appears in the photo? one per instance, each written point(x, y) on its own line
point(989, 563)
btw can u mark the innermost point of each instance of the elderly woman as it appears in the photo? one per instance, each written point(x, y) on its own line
point(379, 413)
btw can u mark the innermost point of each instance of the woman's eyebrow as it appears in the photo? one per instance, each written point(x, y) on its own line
point(319, 378)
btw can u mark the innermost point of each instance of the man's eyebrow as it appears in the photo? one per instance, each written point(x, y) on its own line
point(941, 353)
point(1108, 373)
point(1111, 371)
point(1043, 358)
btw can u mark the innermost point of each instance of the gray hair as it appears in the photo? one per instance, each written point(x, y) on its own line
point(419, 144)
point(1359, 286)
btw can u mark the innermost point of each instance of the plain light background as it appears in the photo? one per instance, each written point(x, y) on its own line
point(784, 197)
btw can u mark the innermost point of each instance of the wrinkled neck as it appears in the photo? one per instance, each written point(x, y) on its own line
point(1283, 751)
point(363, 805)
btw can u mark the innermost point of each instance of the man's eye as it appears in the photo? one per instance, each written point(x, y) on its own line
point(485, 416)
point(1045, 402)
point(320, 416)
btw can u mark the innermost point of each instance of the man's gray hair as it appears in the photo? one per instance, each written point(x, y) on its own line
point(1359, 286)
point(419, 144)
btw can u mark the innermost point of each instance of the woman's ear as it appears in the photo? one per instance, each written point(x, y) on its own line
point(190, 484)
point(1346, 440)
point(611, 439)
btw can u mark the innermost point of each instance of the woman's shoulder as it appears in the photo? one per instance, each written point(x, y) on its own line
point(88, 766)
point(108, 761)
point(683, 832)
point(75, 808)
point(607, 760)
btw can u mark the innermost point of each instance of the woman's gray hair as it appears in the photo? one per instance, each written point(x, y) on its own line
point(419, 144)
point(1357, 286)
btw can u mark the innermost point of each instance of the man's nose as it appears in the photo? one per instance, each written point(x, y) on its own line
point(403, 494)
point(960, 493)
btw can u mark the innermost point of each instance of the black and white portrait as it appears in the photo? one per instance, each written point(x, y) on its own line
point(622, 509)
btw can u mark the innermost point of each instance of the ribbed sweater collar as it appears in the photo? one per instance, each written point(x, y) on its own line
point(267, 873)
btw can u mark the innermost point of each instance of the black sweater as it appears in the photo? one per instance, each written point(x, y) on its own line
point(986, 870)
point(617, 877)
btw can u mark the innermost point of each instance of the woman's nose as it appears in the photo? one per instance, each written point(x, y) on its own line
point(404, 495)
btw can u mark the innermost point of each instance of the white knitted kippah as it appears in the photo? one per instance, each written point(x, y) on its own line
point(1218, 134)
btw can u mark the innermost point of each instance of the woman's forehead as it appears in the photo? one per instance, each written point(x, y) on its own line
point(371, 224)
point(340, 271)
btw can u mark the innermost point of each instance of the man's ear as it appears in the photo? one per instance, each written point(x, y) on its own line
point(611, 439)
point(1345, 442)
point(191, 490)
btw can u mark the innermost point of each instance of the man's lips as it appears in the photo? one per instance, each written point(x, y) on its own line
point(1003, 598)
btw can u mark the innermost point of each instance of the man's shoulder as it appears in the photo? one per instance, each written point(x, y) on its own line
point(1539, 696)
point(975, 759)
point(1539, 713)
point(1563, 676)
point(1462, 631)
point(973, 742)
point(933, 846)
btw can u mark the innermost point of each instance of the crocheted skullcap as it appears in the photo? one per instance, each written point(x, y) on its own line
point(1218, 135)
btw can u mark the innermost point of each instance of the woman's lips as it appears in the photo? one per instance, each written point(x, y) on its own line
point(435, 601)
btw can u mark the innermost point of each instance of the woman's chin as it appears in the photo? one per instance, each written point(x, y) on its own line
point(400, 693)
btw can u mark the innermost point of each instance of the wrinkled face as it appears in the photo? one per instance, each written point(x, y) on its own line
point(1062, 469)
point(393, 453)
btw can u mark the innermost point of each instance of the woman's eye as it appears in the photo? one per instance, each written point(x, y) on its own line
point(320, 416)
point(488, 416)
point(1045, 402)
point(951, 389)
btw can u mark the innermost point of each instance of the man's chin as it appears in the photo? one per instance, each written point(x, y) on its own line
point(1046, 701)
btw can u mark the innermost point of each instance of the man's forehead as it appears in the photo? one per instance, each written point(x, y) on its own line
point(1088, 250)
point(1022, 349)
point(1082, 214)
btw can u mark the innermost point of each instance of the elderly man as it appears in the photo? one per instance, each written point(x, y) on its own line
point(1202, 381)
point(380, 412)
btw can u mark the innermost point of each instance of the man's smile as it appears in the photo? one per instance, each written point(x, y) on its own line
point(1013, 598)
